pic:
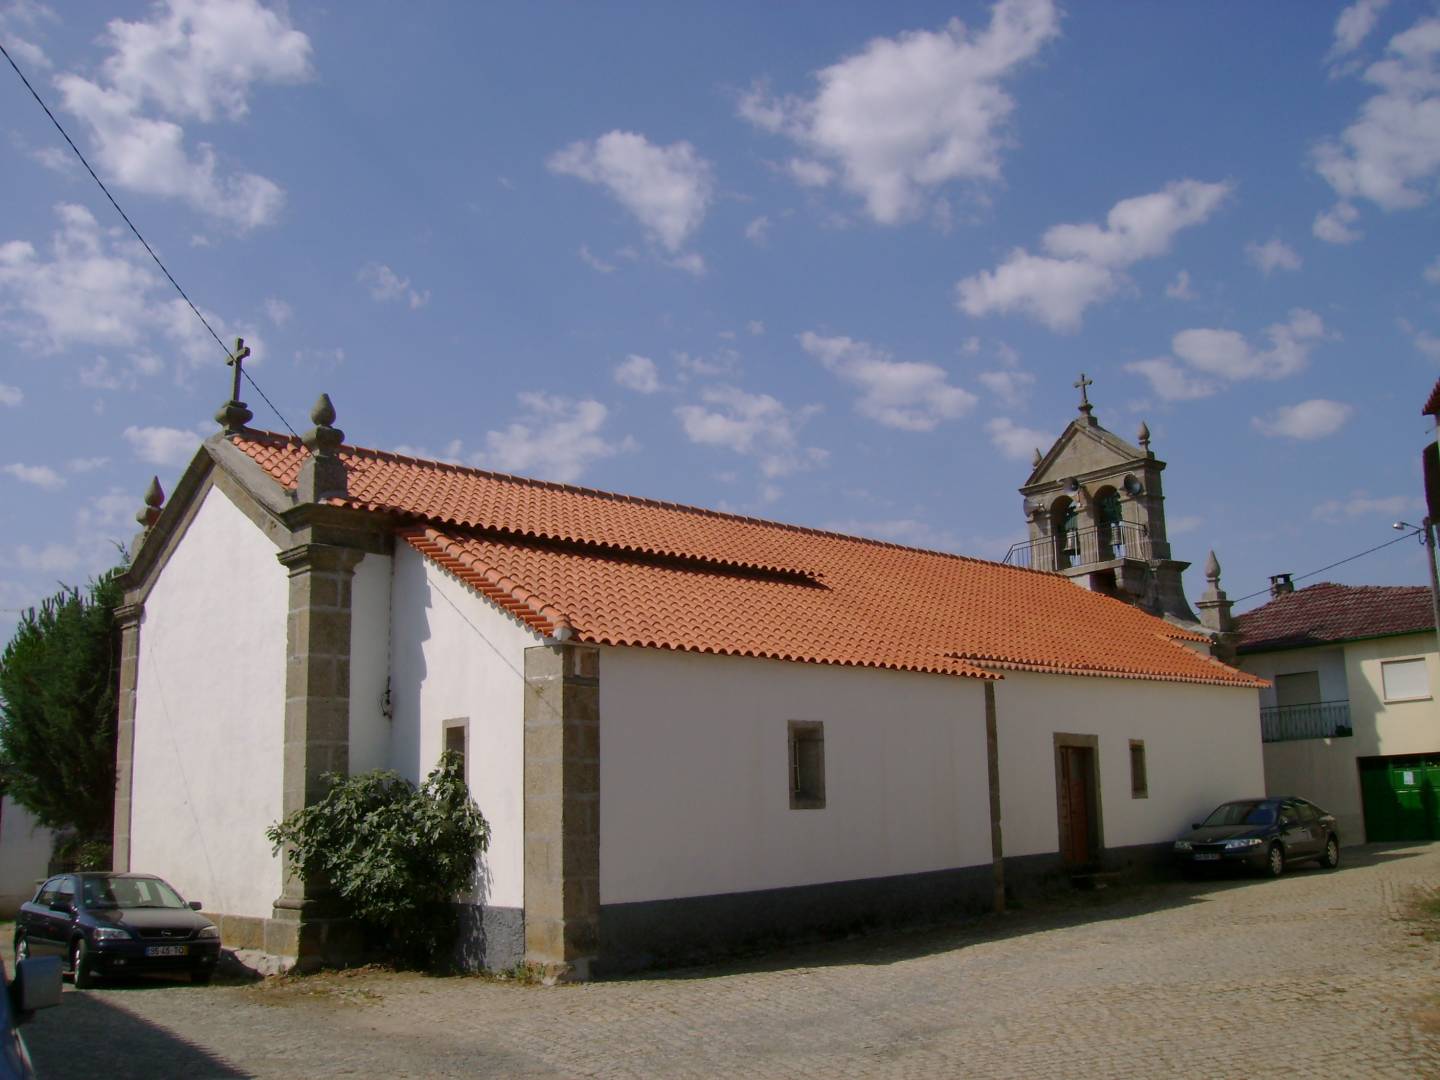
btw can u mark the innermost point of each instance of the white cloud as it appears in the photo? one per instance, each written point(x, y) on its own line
point(1013, 441)
point(724, 364)
point(908, 532)
point(756, 327)
point(1354, 25)
point(638, 373)
point(1180, 289)
point(1391, 153)
point(555, 438)
point(908, 114)
point(1312, 419)
point(1334, 225)
point(753, 425)
point(1272, 255)
point(690, 262)
point(1054, 292)
point(1084, 260)
point(594, 261)
point(1432, 272)
point(278, 311)
point(28, 54)
point(899, 394)
point(1009, 385)
point(86, 465)
point(11, 395)
point(41, 476)
point(667, 188)
point(1361, 504)
point(162, 445)
point(1170, 381)
point(1227, 354)
point(1141, 227)
point(758, 231)
point(386, 285)
point(194, 60)
point(1428, 344)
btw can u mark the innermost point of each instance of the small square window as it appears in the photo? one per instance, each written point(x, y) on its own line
point(807, 765)
point(1139, 784)
point(1405, 680)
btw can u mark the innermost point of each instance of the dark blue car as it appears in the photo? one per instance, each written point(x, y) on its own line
point(109, 925)
point(1264, 835)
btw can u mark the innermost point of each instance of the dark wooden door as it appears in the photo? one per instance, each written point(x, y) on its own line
point(1076, 785)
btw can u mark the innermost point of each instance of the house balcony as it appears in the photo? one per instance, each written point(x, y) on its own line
point(1322, 720)
point(1075, 549)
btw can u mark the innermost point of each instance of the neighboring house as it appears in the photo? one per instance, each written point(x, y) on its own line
point(25, 851)
point(686, 728)
point(1350, 721)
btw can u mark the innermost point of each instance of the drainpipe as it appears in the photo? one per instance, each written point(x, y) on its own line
point(992, 760)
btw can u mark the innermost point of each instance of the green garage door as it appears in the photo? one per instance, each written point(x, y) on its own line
point(1401, 797)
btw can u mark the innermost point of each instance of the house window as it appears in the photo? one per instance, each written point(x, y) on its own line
point(457, 741)
point(807, 765)
point(1298, 688)
point(1139, 785)
point(1405, 680)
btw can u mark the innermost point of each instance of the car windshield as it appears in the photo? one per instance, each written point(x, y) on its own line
point(129, 892)
point(1243, 813)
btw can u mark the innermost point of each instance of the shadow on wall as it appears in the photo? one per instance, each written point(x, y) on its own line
point(87, 1036)
point(411, 602)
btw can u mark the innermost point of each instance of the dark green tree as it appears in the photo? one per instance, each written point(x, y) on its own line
point(59, 677)
point(395, 857)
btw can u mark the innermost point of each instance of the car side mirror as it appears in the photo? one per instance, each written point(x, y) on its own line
point(196, 905)
point(36, 985)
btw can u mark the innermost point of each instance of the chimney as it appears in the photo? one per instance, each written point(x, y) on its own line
point(1280, 584)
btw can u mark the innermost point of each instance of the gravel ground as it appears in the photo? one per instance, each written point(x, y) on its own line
point(1318, 974)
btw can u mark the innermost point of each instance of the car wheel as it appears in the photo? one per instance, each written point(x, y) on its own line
point(1275, 863)
point(1331, 859)
point(80, 965)
point(22, 949)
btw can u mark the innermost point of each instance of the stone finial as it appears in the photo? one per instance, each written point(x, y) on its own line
point(1144, 435)
point(1212, 569)
point(1039, 457)
point(1214, 605)
point(322, 475)
point(154, 499)
point(233, 415)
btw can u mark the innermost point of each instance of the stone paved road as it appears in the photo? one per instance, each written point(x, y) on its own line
point(1318, 974)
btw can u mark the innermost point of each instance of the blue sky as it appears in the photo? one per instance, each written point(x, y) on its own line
point(832, 264)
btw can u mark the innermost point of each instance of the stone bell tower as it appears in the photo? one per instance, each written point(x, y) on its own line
point(1095, 508)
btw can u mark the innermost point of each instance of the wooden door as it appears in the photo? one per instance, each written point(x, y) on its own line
point(1076, 787)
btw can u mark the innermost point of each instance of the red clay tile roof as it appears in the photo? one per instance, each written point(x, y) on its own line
point(614, 570)
point(1328, 613)
point(1432, 404)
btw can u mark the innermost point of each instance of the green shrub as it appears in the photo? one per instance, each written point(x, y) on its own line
point(395, 857)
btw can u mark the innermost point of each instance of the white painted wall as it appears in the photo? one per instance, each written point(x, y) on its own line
point(24, 856)
point(1323, 771)
point(210, 714)
point(1395, 727)
point(1202, 747)
point(1328, 661)
point(694, 774)
point(454, 654)
point(369, 663)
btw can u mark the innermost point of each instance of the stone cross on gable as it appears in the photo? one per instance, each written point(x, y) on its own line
point(236, 359)
point(1083, 385)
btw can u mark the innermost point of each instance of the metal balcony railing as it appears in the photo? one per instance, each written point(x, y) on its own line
point(1082, 547)
point(1322, 720)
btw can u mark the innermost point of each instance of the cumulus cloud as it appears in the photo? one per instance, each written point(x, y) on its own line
point(1390, 154)
point(667, 189)
point(911, 113)
point(278, 311)
point(555, 438)
point(1084, 262)
point(1313, 419)
point(758, 231)
point(11, 395)
point(41, 476)
point(1170, 381)
point(193, 60)
point(1334, 225)
point(1180, 289)
point(1427, 344)
point(1227, 354)
point(1362, 504)
point(590, 259)
point(1354, 24)
point(1432, 272)
point(907, 395)
point(1010, 385)
point(386, 285)
point(1013, 441)
point(638, 373)
point(162, 445)
point(752, 425)
point(1272, 255)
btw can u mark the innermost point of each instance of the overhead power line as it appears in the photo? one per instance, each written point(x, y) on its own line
point(1342, 562)
point(143, 242)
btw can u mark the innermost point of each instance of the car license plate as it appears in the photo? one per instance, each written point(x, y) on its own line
point(165, 950)
point(1206, 858)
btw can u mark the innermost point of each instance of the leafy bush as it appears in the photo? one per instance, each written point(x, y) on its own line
point(59, 677)
point(395, 857)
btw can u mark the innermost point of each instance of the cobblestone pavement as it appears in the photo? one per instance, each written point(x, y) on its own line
point(1318, 974)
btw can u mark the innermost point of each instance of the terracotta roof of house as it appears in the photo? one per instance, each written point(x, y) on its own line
point(1432, 403)
point(616, 570)
point(1329, 613)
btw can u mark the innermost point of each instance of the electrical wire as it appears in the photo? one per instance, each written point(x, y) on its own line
point(1342, 562)
point(143, 242)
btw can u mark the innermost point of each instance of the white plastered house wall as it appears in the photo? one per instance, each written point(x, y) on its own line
point(25, 850)
point(210, 708)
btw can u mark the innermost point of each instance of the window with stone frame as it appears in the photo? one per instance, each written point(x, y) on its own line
point(1139, 781)
point(807, 765)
